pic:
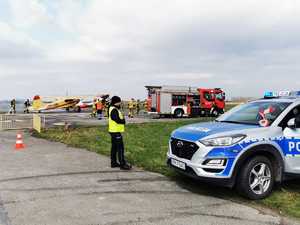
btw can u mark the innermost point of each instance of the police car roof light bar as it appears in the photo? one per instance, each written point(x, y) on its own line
point(295, 94)
point(281, 94)
point(270, 94)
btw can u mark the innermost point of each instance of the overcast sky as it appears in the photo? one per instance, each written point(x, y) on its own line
point(49, 47)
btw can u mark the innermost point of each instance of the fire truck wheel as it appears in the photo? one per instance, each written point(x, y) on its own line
point(178, 113)
point(215, 113)
point(202, 113)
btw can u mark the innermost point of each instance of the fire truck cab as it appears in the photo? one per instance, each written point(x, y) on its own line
point(180, 101)
point(212, 101)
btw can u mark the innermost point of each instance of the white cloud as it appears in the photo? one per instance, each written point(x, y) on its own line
point(9, 33)
point(16, 45)
point(184, 76)
point(119, 43)
point(28, 13)
point(104, 27)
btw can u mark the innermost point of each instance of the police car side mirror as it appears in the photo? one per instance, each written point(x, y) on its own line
point(291, 124)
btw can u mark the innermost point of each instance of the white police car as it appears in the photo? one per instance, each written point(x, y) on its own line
point(250, 147)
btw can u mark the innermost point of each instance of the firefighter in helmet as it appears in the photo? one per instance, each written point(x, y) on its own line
point(94, 108)
point(146, 105)
point(138, 107)
point(131, 107)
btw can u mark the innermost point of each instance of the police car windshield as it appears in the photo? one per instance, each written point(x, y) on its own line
point(254, 113)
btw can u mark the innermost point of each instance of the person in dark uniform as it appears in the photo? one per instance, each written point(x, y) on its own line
point(12, 106)
point(116, 126)
point(26, 106)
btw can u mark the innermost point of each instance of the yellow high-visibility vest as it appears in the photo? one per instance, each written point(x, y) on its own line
point(130, 104)
point(114, 127)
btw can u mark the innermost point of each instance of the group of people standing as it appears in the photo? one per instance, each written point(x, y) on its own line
point(13, 102)
point(12, 109)
point(134, 108)
point(99, 108)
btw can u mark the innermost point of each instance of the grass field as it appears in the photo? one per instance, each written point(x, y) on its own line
point(146, 147)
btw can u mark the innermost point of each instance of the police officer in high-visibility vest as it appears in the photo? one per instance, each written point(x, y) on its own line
point(116, 126)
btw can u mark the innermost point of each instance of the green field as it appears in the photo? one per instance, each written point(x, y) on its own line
point(146, 147)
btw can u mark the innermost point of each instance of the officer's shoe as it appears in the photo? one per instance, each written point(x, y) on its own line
point(115, 165)
point(126, 167)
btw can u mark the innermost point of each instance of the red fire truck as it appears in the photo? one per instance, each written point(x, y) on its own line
point(182, 101)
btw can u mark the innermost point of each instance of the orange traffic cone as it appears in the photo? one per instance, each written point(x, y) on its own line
point(19, 142)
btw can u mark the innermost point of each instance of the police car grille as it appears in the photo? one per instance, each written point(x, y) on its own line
point(183, 149)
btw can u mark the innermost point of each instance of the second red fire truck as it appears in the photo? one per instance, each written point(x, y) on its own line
point(180, 101)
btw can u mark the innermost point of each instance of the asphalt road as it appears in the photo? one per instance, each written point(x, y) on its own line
point(58, 119)
point(52, 184)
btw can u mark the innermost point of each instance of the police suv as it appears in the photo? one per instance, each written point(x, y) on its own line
point(250, 147)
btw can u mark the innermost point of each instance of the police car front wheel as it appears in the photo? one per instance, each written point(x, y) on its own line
point(256, 179)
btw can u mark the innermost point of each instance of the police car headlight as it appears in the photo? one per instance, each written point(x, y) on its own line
point(223, 141)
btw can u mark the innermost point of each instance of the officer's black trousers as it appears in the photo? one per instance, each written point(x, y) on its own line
point(117, 148)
